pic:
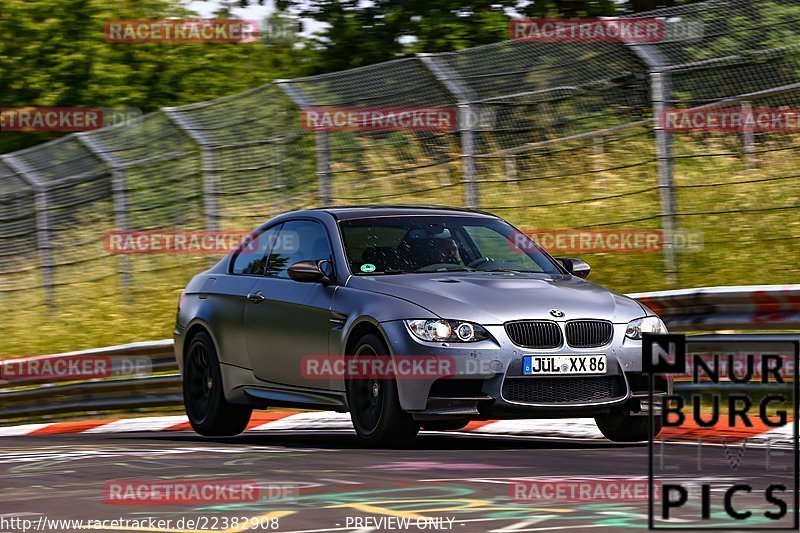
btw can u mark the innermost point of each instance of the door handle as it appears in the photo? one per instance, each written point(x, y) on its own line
point(256, 297)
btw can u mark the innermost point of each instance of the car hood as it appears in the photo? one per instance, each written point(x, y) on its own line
point(492, 298)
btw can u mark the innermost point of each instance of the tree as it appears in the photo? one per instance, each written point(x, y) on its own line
point(358, 33)
point(53, 54)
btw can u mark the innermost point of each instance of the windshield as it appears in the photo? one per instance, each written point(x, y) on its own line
point(431, 243)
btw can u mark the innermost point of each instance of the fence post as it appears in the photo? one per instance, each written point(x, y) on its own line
point(598, 145)
point(44, 241)
point(598, 150)
point(660, 95)
point(748, 138)
point(511, 170)
point(323, 147)
point(210, 185)
point(466, 118)
point(323, 150)
point(119, 191)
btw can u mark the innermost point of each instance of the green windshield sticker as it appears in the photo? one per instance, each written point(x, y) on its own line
point(368, 267)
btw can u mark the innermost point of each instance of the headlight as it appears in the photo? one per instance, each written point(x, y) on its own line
point(648, 324)
point(446, 330)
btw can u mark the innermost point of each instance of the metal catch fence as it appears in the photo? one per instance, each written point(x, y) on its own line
point(550, 135)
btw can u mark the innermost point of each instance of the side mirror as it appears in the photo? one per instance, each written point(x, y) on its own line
point(576, 267)
point(311, 271)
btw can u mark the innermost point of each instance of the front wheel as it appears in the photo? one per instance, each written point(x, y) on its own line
point(620, 426)
point(374, 403)
point(208, 411)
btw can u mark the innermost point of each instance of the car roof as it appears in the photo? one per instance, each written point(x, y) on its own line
point(366, 211)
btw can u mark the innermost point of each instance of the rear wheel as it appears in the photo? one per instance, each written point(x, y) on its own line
point(374, 403)
point(208, 411)
point(620, 426)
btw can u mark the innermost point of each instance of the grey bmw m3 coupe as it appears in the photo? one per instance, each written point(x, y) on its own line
point(409, 317)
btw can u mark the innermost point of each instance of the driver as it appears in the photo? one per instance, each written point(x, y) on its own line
point(426, 249)
point(445, 250)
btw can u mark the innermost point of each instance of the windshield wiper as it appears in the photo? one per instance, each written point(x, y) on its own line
point(511, 270)
point(391, 272)
point(443, 270)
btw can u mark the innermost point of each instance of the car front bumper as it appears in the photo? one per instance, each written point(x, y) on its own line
point(488, 380)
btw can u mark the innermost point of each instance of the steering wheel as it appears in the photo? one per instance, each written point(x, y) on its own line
point(480, 261)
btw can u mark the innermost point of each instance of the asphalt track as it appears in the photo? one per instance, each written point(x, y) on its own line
point(461, 479)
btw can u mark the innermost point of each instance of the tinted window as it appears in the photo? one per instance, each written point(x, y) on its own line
point(366, 242)
point(251, 259)
point(299, 240)
point(405, 244)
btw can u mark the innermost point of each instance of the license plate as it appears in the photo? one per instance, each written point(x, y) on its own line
point(538, 365)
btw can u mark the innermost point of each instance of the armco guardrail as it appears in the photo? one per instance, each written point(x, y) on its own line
point(136, 375)
point(144, 374)
point(755, 307)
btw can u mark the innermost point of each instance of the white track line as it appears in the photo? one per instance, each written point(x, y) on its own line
point(315, 420)
point(13, 431)
point(148, 423)
point(574, 428)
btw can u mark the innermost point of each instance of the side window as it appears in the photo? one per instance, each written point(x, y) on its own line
point(299, 240)
point(252, 258)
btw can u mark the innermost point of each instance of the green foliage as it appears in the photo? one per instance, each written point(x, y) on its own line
point(357, 34)
point(53, 53)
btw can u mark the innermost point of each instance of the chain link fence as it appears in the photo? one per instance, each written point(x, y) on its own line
point(550, 135)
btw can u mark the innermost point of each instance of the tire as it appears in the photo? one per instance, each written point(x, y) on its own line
point(445, 425)
point(374, 403)
point(209, 413)
point(620, 426)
